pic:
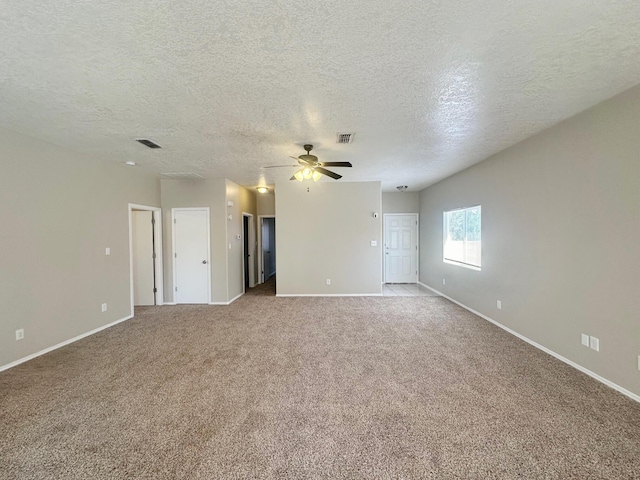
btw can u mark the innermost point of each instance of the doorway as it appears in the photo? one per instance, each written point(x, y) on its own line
point(249, 246)
point(191, 267)
point(401, 248)
point(145, 256)
point(267, 247)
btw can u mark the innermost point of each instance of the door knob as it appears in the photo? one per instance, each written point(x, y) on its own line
point(204, 261)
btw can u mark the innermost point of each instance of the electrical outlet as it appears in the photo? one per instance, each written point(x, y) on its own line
point(107, 251)
point(328, 281)
point(104, 307)
point(20, 334)
point(374, 243)
point(499, 305)
point(584, 339)
point(594, 343)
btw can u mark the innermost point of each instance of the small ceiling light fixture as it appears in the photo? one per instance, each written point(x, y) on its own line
point(130, 163)
point(262, 189)
point(402, 188)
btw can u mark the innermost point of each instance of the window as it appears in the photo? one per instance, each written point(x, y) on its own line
point(462, 243)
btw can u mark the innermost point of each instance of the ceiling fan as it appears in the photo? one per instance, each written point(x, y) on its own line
point(312, 168)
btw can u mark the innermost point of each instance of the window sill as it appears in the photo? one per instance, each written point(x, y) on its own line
point(460, 264)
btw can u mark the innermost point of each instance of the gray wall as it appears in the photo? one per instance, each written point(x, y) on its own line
point(396, 202)
point(215, 193)
point(201, 193)
point(59, 211)
point(560, 238)
point(326, 233)
point(266, 203)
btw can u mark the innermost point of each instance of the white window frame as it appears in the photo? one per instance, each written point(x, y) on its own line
point(445, 231)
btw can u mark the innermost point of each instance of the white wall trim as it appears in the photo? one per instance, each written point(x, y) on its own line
point(577, 366)
point(252, 226)
point(328, 294)
point(227, 303)
point(159, 269)
point(259, 248)
point(62, 344)
point(384, 244)
point(173, 248)
point(170, 303)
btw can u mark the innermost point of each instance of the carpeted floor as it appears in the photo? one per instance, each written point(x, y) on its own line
point(327, 388)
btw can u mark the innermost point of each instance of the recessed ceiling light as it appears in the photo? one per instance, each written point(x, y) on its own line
point(130, 163)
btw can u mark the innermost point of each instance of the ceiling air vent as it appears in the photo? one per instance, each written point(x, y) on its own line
point(148, 143)
point(345, 137)
point(182, 176)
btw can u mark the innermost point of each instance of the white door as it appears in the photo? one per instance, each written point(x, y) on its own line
point(142, 245)
point(401, 248)
point(191, 255)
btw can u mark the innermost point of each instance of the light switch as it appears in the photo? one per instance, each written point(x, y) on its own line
point(107, 251)
point(374, 243)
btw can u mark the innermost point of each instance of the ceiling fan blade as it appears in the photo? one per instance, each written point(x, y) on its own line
point(293, 178)
point(278, 166)
point(336, 164)
point(328, 173)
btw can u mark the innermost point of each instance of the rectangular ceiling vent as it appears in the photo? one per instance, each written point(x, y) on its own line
point(148, 143)
point(345, 137)
point(182, 176)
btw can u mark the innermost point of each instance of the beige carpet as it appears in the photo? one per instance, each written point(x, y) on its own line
point(294, 388)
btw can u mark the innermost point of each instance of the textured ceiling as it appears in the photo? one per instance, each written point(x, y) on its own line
point(227, 87)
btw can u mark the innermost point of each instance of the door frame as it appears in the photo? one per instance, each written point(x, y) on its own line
point(384, 246)
point(157, 233)
point(173, 249)
point(259, 248)
point(252, 278)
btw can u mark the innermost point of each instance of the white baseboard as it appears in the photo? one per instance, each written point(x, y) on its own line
point(328, 294)
point(227, 303)
point(170, 303)
point(234, 298)
point(62, 344)
point(577, 366)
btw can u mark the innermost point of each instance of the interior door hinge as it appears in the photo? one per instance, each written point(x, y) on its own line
point(175, 255)
point(155, 290)
point(153, 221)
point(176, 289)
point(174, 220)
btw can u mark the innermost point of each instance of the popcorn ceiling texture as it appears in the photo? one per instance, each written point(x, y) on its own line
point(226, 87)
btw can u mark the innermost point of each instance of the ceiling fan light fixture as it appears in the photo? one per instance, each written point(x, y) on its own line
point(299, 176)
point(307, 173)
point(316, 176)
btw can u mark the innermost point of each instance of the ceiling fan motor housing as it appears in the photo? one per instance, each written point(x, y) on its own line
point(309, 159)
